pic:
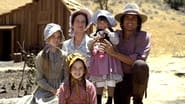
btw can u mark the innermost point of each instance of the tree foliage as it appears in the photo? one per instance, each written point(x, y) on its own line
point(103, 4)
point(176, 4)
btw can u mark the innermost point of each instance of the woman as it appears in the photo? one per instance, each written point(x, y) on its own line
point(77, 89)
point(49, 67)
point(80, 20)
point(133, 50)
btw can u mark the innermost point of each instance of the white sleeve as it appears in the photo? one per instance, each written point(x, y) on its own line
point(113, 38)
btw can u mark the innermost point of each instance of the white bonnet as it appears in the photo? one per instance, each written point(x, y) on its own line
point(52, 28)
point(106, 14)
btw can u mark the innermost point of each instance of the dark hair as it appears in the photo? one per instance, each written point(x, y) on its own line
point(79, 13)
point(103, 18)
point(139, 22)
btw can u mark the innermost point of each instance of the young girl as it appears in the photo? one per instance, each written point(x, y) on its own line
point(105, 71)
point(49, 68)
point(77, 89)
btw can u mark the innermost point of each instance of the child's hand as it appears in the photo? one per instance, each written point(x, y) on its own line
point(54, 91)
point(57, 93)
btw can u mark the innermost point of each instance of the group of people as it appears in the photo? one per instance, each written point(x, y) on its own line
point(78, 72)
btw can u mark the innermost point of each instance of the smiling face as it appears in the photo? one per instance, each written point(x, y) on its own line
point(77, 69)
point(79, 23)
point(130, 22)
point(102, 23)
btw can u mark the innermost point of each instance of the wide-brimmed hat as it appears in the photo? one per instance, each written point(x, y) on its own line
point(52, 28)
point(131, 8)
point(106, 14)
point(71, 58)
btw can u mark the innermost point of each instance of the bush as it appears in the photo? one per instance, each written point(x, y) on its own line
point(176, 4)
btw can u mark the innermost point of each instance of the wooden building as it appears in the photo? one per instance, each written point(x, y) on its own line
point(26, 24)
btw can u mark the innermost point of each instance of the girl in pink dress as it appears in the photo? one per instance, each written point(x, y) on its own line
point(77, 89)
point(105, 71)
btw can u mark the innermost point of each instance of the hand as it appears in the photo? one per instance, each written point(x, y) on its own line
point(57, 93)
point(97, 38)
point(108, 47)
point(54, 91)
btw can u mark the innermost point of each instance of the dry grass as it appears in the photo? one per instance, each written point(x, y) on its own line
point(166, 26)
point(167, 31)
point(7, 5)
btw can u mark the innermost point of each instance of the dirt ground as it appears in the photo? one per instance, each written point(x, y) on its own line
point(9, 84)
point(10, 80)
point(166, 82)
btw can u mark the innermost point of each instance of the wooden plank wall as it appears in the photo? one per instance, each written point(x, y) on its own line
point(31, 20)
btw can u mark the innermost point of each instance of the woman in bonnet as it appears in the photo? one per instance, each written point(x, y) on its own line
point(80, 21)
point(49, 67)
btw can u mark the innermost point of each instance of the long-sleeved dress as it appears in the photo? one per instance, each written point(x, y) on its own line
point(107, 67)
point(78, 94)
point(47, 82)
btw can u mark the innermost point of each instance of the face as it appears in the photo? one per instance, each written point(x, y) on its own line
point(130, 22)
point(102, 24)
point(55, 39)
point(79, 24)
point(77, 69)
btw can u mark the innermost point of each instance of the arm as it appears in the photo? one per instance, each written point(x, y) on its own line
point(113, 36)
point(40, 79)
point(92, 94)
point(66, 75)
point(61, 94)
point(143, 45)
point(63, 72)
point(92, 42)
point(109, 49)
point(123, 58)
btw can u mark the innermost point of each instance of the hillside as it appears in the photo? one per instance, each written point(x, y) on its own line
point(166, 26)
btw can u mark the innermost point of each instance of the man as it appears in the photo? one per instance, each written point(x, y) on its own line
point(132, 50)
